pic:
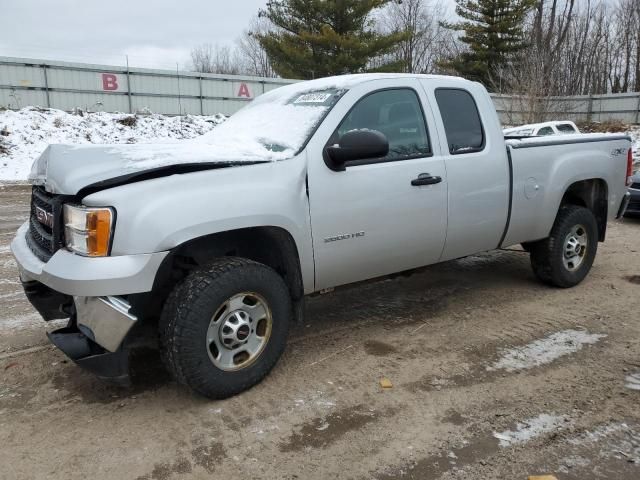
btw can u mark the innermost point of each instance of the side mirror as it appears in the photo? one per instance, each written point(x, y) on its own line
point(357, 145)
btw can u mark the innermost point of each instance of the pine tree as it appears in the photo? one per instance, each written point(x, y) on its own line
point(317, 38)
point(493, 30)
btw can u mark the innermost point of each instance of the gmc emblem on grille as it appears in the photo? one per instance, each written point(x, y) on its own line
point(44, 217)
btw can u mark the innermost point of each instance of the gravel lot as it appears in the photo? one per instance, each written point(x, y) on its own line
point(494, 376)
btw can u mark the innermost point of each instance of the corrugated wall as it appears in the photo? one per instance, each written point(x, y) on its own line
point(66, 86)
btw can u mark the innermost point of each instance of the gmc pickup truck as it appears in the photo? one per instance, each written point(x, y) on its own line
point(209, 248)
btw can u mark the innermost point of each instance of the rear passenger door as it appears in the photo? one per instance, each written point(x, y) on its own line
point(477, 167)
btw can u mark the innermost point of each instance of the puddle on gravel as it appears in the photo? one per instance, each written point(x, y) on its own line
point(535, 354)
point(323, 431)
point(454, 417)
point(209, 456)
point(434, 466)
point(165, 471)
point(635, 279)
point(379, 349)
point(478, 450)
point(206, 456)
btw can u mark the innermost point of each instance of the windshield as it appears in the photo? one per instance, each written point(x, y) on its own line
point(275, 126)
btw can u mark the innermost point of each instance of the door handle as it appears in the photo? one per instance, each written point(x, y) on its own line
point(425, 179)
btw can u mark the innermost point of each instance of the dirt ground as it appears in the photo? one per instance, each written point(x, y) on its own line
point(469, 400)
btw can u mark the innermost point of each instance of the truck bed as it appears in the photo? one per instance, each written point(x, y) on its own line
point(543, 168)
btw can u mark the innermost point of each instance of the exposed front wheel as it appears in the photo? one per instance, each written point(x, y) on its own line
point(566, 256)
point(224, 328)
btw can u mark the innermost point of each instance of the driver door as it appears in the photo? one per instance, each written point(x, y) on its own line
point(375, 217)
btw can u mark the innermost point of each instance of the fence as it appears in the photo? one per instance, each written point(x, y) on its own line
point(586, 108)
point(67, 86)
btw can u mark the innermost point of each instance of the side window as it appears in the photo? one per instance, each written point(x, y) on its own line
point(566, 128)
point(545, 131)
point(461, 120)
point(397, 114)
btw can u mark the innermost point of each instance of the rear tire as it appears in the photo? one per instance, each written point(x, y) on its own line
point(565, 258)
point(225, 326)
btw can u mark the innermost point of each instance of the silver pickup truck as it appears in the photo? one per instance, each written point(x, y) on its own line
point(209, 248)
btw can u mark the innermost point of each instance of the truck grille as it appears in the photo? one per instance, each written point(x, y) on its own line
point(45, 225)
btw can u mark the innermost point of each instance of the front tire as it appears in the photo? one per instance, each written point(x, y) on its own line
point(565, 258)
point(225, 326)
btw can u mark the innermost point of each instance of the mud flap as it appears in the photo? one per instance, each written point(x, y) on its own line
point(108, 366)
point(623, 205)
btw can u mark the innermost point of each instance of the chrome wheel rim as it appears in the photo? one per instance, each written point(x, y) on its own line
point(239, 331)
point(575, 248)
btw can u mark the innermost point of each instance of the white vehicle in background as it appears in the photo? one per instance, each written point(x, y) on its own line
point(542, 129)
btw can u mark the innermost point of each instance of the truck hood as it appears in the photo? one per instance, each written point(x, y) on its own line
point(69, 169)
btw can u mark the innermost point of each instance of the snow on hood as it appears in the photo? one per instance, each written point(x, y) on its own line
point(67, 169)
point(273, 127)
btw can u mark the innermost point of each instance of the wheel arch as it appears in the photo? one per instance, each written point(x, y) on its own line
point(593, 194)
point(269, 245)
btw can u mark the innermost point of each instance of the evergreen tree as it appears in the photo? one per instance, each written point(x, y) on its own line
point(493, 30)
point(317, 38)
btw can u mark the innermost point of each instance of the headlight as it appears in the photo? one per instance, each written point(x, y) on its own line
point(87, 230)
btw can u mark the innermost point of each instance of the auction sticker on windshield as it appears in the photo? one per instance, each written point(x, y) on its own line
point(313, 98)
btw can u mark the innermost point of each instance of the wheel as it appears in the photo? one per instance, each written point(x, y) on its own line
point(566, 256)
point(225, 326)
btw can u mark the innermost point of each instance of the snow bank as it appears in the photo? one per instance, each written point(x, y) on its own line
point(534, 427)
point(24, 134)
point(545, 350)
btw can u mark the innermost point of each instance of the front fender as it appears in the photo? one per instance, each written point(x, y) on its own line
point(160, 214)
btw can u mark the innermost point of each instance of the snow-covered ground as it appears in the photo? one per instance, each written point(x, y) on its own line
point(545, 350)
point(24, 134)
point(534, 427)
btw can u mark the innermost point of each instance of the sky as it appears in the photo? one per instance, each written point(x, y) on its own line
point(152, 33)
point(158, 33)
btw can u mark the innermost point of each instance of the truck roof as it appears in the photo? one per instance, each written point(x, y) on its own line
point(351, 80)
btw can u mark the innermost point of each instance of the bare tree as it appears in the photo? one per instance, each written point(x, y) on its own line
point(208, 58)
point(624, 58)
point(427, 42)
point(576, 49)
point(254, 57)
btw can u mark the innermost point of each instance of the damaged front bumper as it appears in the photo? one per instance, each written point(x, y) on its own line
point(93, 293)
point(109, 366)
point(96, 333)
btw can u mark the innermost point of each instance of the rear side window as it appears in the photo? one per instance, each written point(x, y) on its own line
point(461, 120)
point(545, 131)
point(566, 128)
